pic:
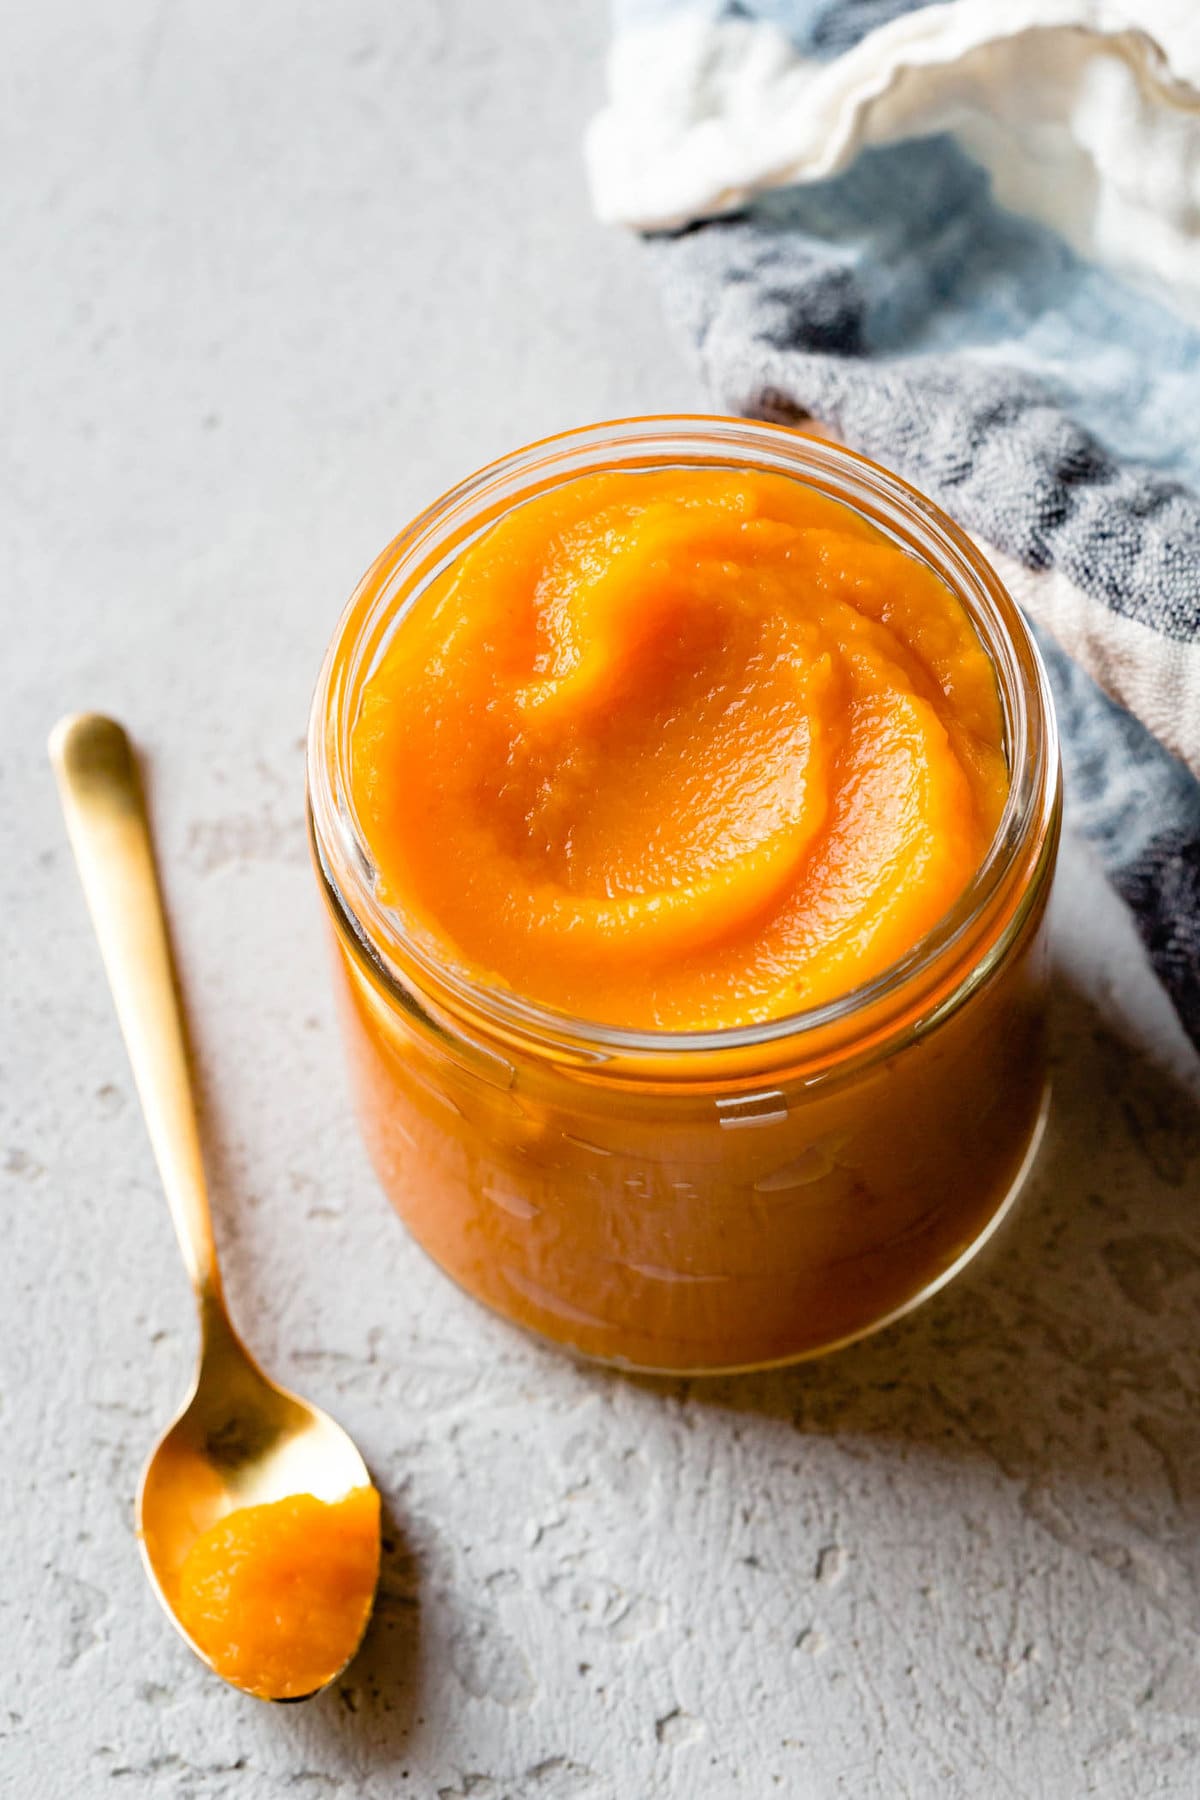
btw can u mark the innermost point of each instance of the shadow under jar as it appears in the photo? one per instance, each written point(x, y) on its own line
point(707, 1200)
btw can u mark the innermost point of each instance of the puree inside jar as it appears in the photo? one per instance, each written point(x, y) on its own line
point(277, 1596)
point(679, 749)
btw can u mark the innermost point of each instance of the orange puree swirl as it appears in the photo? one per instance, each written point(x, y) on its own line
point(679, 749)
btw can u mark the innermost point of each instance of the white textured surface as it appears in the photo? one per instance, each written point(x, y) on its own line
point(271, 278)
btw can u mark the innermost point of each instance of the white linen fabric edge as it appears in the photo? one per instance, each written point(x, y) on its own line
point(1084, 112)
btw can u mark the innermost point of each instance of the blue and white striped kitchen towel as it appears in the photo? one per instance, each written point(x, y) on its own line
point(966, 237)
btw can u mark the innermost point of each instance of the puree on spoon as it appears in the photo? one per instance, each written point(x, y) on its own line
point(277, 1596)
point(679, 749)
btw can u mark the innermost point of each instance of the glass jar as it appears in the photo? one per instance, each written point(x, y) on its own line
point(711, 1200)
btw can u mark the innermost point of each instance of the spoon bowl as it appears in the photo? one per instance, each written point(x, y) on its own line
point(240, 1441)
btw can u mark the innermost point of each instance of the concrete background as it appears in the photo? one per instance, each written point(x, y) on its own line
point(272, 276)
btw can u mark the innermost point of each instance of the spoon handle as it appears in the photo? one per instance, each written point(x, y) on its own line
point(110, 834)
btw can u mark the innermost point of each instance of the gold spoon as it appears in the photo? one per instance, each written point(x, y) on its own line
point(239, 1440)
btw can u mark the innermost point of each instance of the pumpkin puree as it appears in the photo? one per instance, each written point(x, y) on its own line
point(688, 747)
point(277, 1596)
point(679, 749)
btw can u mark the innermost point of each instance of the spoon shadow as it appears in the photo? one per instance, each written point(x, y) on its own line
point(369, 1712)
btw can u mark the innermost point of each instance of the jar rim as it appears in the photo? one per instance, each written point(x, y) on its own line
point(399, 958)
